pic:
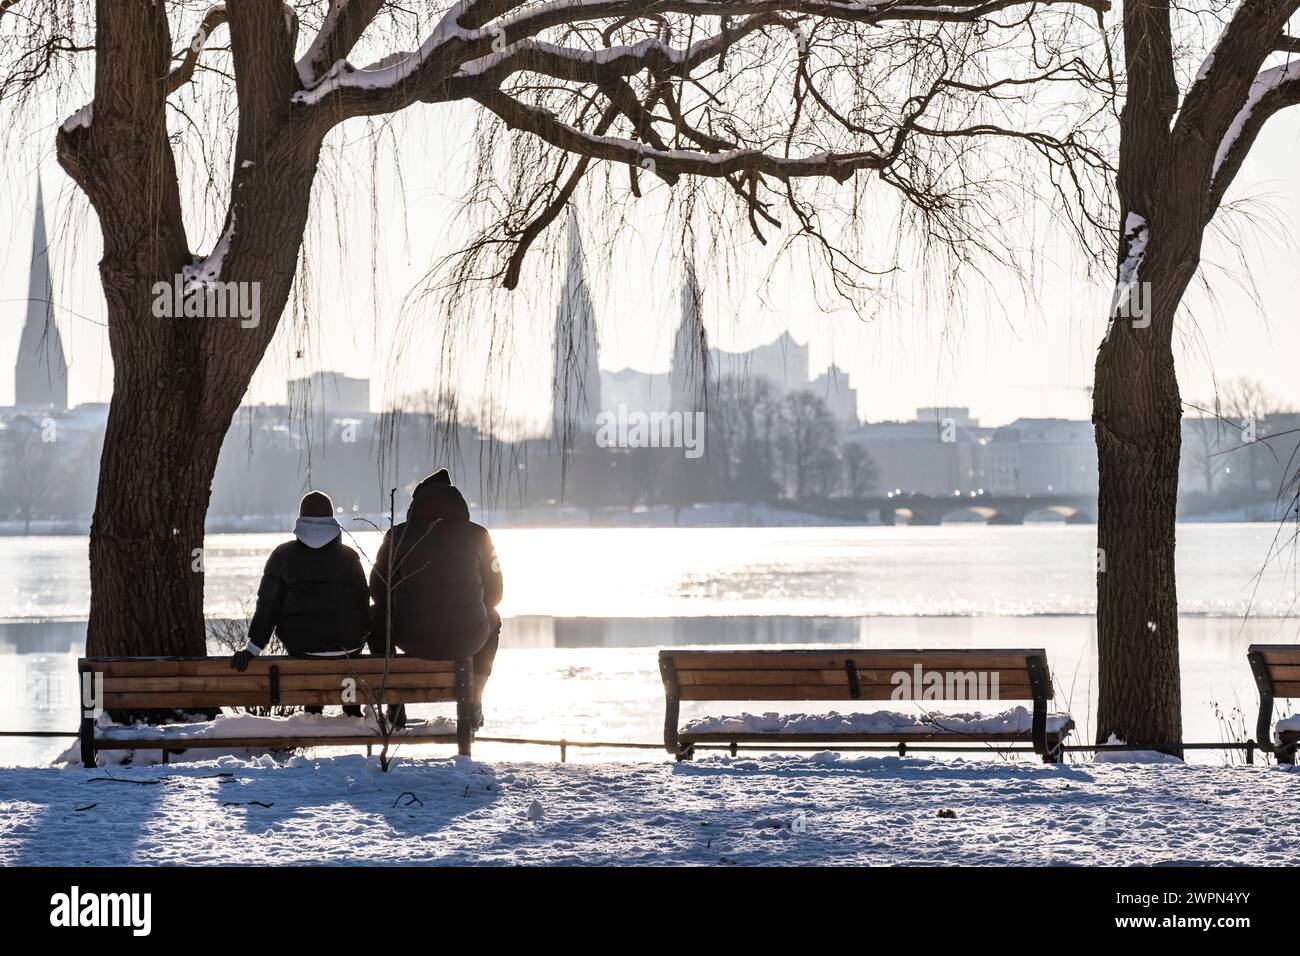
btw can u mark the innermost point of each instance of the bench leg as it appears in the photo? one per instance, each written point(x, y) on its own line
point(685, 753)
point(1286, 754)
point(464, 706)
point(87, 736)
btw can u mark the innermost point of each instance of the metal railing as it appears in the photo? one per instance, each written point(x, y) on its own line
point(902, 749)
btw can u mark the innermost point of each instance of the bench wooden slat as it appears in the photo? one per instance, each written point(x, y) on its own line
point(235, 682)
point(216, 666)
point(836, 677)
point(202, 700)
point(771, 676)
point(816, 692)
point(873, 666)
point(1287, 654)
point(865, 659)
point(1287, 673)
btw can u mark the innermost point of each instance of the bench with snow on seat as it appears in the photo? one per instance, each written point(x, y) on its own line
point(209, 683)
point(863, 675)
point(1277, 674)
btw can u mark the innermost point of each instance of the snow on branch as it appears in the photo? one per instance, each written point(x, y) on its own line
point(343, 25)
point(391, 71)
point(600, 64)
point(536, 18)
point(206, 271)
point(1264, 83)
point(80, 119)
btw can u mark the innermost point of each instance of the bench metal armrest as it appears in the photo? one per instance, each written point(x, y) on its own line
point(672, 704)
point(1039, 688)
point(1264, 723)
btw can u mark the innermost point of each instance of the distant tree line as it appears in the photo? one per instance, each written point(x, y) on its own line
point(759, 446)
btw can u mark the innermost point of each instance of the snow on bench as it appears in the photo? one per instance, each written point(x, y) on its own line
point(236, 726)
point(1287, 725)
point(1017, 720)
point(239, 733)
point(929, 675)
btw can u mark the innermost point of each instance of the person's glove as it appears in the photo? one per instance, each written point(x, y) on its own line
point(240, 661)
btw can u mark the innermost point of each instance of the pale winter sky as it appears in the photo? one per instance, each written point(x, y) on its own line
point(999, 357)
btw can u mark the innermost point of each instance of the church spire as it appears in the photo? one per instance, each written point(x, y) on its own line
point(689, 373)
point(41, 372)
point(576, 382)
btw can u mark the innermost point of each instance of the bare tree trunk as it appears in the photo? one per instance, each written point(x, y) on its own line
point(145, 543)
point(1137, 415)
point(178, 380)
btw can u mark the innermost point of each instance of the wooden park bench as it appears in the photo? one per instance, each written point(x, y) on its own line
point(859, 674)
point(1277, 674)
point(210, 683)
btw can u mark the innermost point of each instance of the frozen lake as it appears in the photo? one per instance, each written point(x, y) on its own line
point(586, 610)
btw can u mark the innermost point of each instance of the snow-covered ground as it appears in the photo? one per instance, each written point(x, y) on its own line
point(775, 809)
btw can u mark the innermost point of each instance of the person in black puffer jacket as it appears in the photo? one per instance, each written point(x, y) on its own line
point(446, 584)
point(313, 593)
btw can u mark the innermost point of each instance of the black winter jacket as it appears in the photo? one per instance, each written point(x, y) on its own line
point(446, 579)
point(314, 598)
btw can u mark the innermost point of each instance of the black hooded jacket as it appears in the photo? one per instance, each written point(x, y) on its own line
point(446, 578)
point(314, 598)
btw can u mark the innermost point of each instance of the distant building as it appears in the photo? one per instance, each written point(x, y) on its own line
point(88, 418)
point(41, 371)
point(1221, 456)
point(832, 387)
point(783, 362)
point(942, 457)
point(329, 394)
point(1042, 456)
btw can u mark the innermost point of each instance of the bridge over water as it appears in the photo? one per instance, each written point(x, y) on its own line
point(934, 509)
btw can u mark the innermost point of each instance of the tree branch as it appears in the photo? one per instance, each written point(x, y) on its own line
point(429, 74)
point(664, 163)
point(1224, 84)
point(182, 74)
